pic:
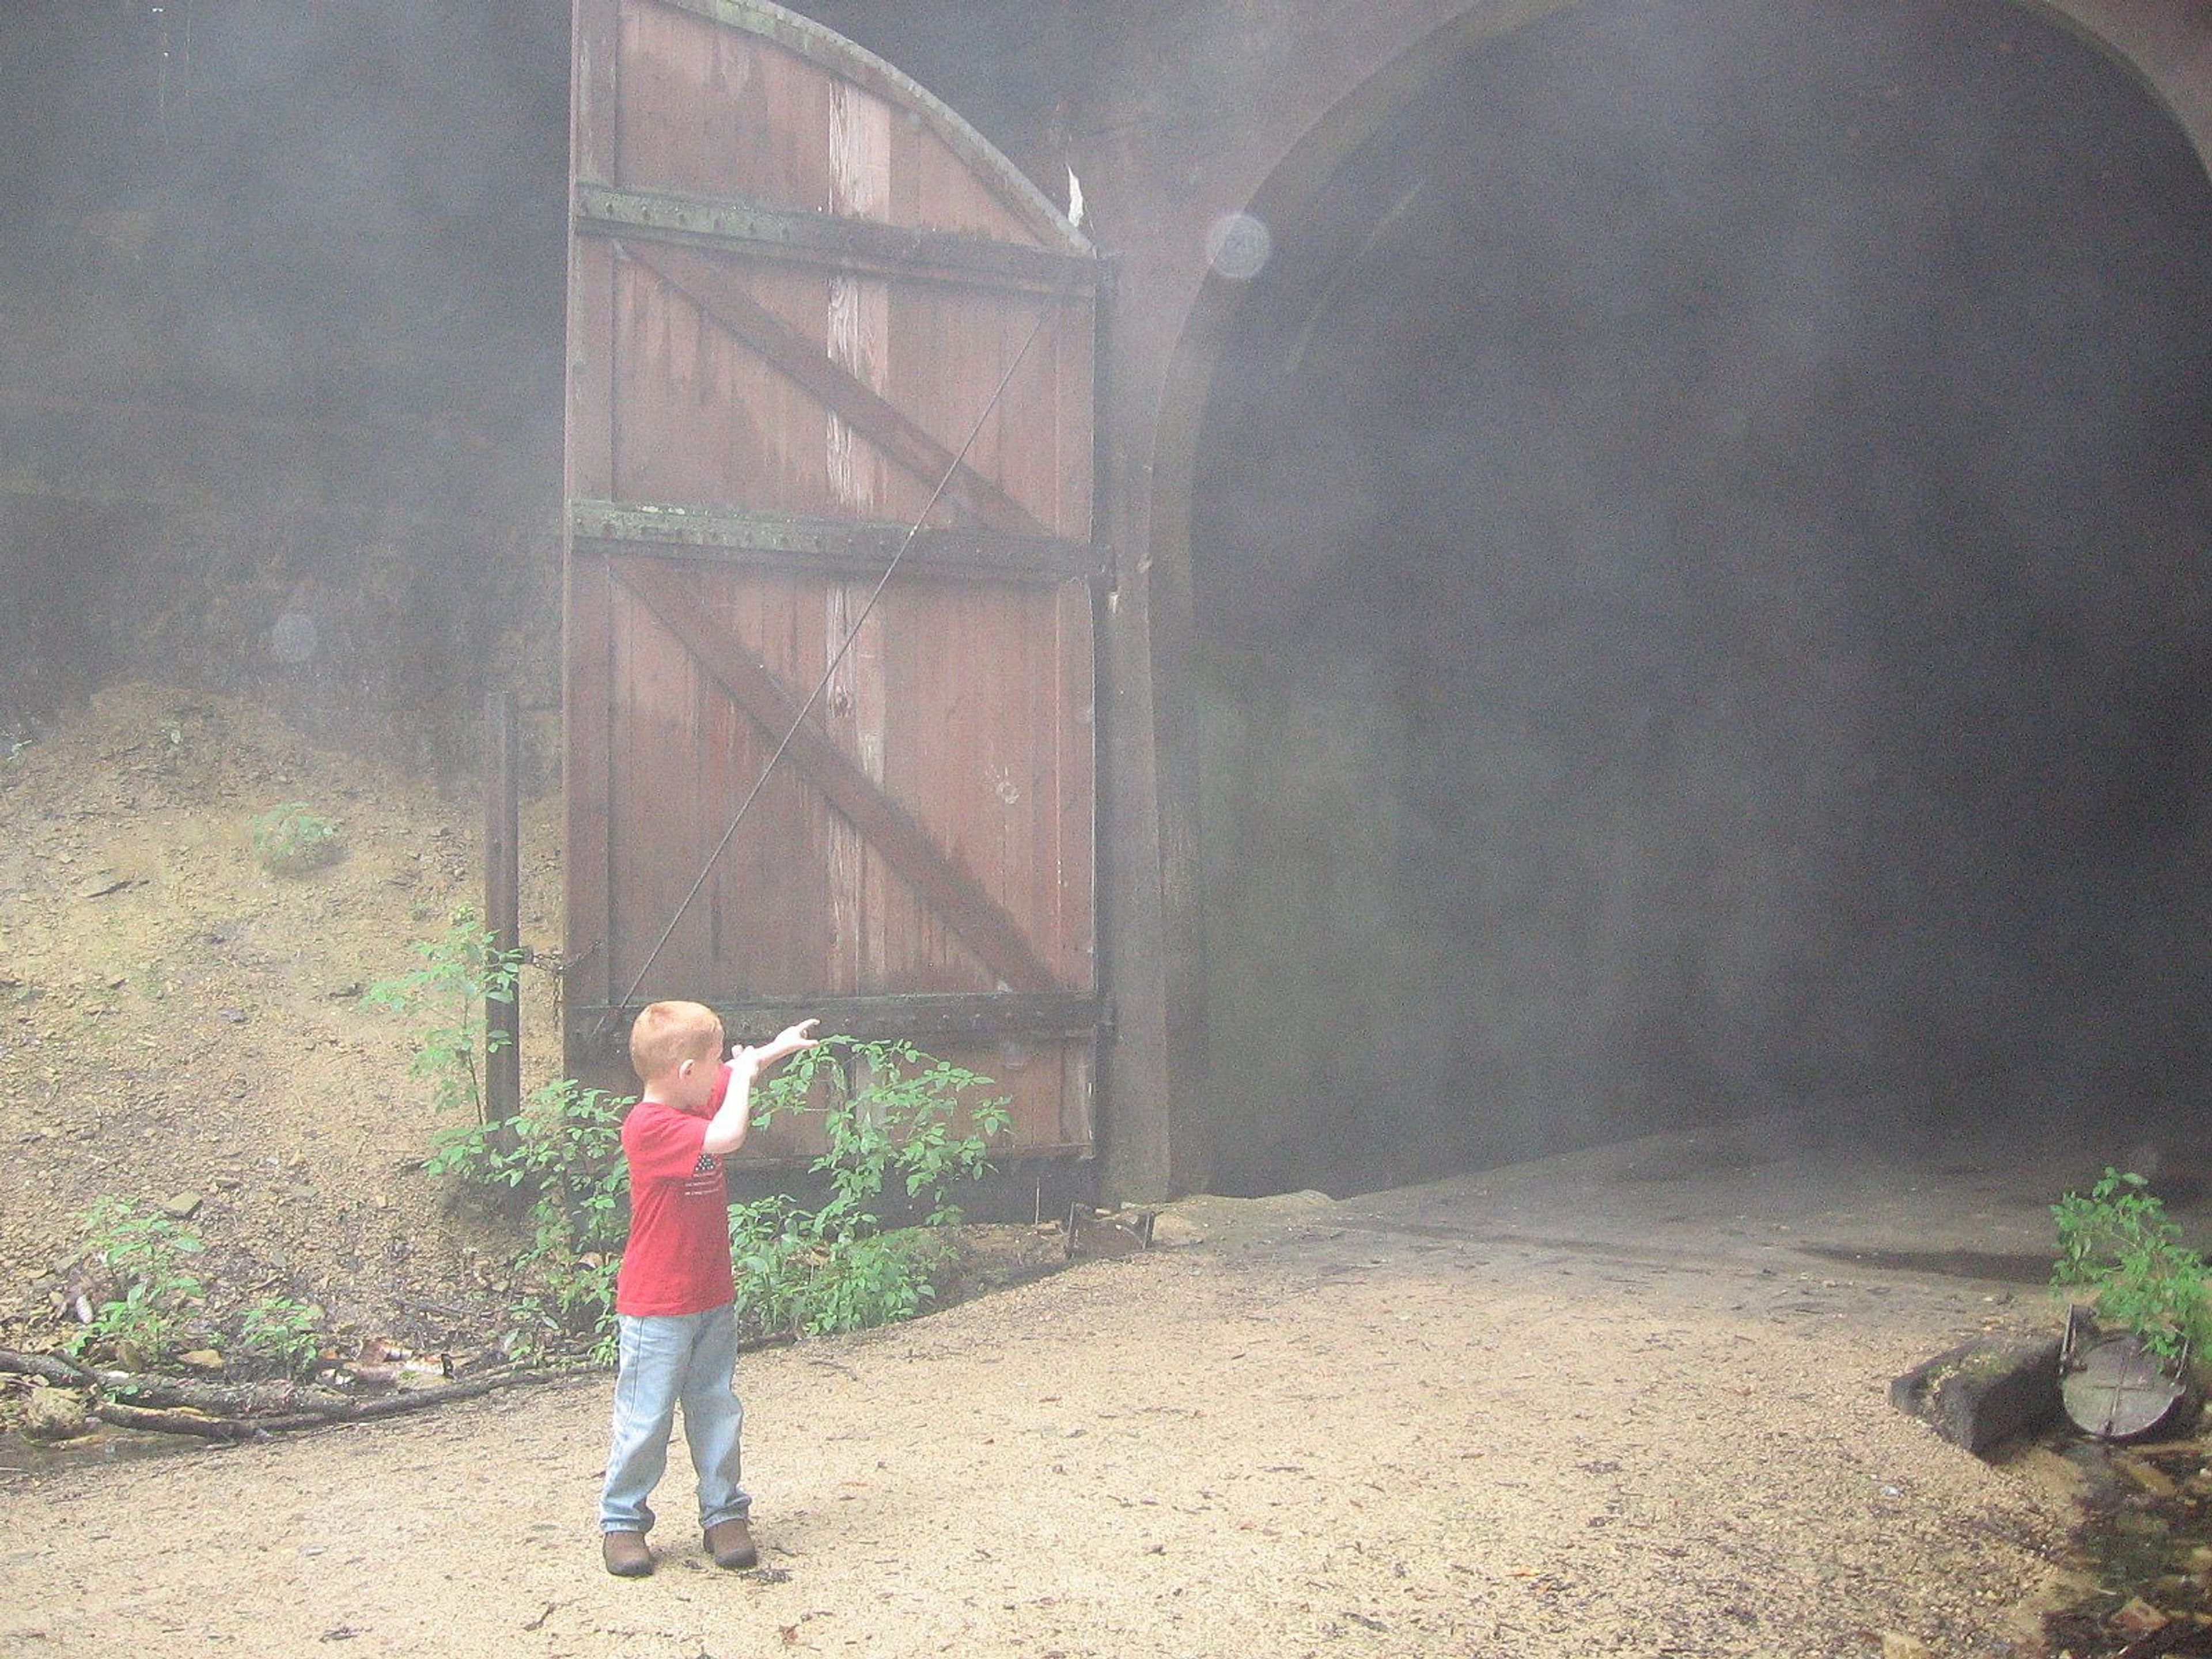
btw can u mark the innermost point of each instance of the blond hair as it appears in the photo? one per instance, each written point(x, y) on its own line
point(667, 1034)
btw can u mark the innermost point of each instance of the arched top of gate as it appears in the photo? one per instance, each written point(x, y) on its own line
point(832, 52)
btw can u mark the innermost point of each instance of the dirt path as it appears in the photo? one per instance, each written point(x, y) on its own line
point(1302, 1436)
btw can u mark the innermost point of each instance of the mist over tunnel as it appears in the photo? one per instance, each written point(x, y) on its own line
point(1698, 567)
point(281, 381)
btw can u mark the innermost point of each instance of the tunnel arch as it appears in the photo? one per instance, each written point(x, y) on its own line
point(2157, 57)
point(2171, 60)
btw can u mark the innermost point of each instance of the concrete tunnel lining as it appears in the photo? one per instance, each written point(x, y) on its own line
point(1815, 723)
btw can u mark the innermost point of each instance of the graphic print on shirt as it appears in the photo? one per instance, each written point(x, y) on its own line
point(705, 1180)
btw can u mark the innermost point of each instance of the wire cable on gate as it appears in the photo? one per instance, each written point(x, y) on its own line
point(606, 1020)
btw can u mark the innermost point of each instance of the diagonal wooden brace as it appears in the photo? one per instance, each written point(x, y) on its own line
point(982, 923)
point(719, 293)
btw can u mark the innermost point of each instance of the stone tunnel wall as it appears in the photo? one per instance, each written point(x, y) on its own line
point(279, 378)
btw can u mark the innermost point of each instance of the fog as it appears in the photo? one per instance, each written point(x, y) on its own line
point(1699, 550)
point(280, 390)
point(1698, 543)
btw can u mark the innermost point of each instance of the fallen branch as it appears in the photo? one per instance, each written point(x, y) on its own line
point(230, 1399)
point(216, 1411)
point(234, 1412)
point(197, 1424)
point(51, 1367)
point(321, 1407)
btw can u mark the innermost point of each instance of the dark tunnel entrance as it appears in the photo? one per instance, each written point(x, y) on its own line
point(1698, 560)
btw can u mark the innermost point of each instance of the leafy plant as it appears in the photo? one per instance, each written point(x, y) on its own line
point(561, 1157)
point(2118, 1242)
point(282, 1330)
point(292, 839)
point(895, 1131)
point(152, 1291)
point(459, 973)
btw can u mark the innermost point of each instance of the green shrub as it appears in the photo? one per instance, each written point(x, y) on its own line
point(152, 1291)
point(894, 1131)
point(2118, 1242)
point(561, 1158)
point(459, 973)
point(292, 839)
point(283, 1331)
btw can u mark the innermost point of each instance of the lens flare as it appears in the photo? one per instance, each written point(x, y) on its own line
point(1238, 246)
point(292, 638)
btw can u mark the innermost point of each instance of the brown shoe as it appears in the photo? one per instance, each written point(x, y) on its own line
point(731, 1543)
point(626, 1554)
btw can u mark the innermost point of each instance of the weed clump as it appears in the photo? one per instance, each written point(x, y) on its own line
point(459, 973)
point(152, 1290)
point(294, 839)
point(903, 1129)
point(2117, 1242)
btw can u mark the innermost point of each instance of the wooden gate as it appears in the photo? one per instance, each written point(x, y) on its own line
point(809, 310)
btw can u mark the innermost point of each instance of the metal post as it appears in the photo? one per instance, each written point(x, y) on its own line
point(503, 905)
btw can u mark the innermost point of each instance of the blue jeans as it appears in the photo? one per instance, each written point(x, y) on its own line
point(689, 1358)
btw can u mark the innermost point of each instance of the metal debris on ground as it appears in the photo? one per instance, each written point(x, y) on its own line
point(383, 1365)
point(2112, 1385)
point(1092, 1235)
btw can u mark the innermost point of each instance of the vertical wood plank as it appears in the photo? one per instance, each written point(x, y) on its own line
point(1074, 343)
point(968, 704)
point(588, 463)
point(1065, 812)
point(593, 89)
point(858, 327)
point(587, 471)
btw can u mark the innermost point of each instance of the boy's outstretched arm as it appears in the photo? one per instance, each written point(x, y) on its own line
point(726, 1133)
point(787, 1042)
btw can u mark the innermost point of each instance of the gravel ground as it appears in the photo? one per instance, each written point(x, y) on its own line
point(1306, 1430)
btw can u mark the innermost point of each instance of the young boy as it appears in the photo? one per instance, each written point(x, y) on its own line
point(674, 1293)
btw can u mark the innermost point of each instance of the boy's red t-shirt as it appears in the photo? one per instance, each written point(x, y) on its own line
point(678, 1261)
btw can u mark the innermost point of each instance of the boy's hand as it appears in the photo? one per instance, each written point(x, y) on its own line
point(785, 1044)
